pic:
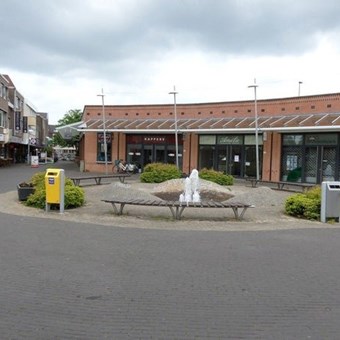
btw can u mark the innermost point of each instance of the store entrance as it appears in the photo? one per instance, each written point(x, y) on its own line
point(320, 164)
point(154, 154)
point(229, 159)
point(143, 150)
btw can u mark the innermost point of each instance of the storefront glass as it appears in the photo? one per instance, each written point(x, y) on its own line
point(206, 156)
point(231, 154)
point(145, 149)
point(101, 147)
point(310, 158)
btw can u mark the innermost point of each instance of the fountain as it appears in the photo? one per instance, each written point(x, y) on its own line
point(191, 189)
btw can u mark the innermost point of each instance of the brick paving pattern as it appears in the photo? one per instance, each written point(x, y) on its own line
point(66, 280)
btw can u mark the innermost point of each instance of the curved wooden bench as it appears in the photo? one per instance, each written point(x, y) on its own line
point(177, 207)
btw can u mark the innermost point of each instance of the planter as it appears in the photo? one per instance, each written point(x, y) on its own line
point(24, 192)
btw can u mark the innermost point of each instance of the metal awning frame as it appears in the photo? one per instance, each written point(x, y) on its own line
point(211, 125)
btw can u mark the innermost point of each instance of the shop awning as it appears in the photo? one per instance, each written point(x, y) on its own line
point(310, 122)
point(70, 131)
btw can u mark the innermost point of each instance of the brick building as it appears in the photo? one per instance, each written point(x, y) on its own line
point(23, 130)
point(298, 137)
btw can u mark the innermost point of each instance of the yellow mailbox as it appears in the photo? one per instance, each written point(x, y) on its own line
point(54, 184)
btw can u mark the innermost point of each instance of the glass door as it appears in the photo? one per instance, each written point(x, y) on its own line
point(159, 153)
point(250, 161)
point(311, 172)
point(236, 159)
point(328, 161)
point(320, 164)
point(147, 154)
point(229, 158)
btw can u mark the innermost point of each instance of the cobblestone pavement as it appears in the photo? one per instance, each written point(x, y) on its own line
point(68, 279)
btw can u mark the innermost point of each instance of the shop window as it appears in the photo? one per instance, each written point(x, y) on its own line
point(206, 156)
point(251, 139)
point(134, 155)
point(2, 115)
point(207, 140)
point(321, 139)
point(291, 165)
point(101, 147)
point(292, 139)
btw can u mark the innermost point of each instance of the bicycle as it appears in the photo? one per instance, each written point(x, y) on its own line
point(117, 168)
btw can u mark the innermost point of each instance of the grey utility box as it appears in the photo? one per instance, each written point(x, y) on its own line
point(330, 201)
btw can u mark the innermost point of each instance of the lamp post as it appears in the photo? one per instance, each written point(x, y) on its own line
point(176, 130)
point(28, 148)
point(256, 133)
point(104, 130)
point(300, 82)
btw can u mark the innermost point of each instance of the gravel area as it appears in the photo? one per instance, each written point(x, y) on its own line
point(259, 197)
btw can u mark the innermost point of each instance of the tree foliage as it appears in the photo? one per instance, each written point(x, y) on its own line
point(72, 116)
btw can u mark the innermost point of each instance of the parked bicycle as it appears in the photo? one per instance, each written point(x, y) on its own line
point(123, 167)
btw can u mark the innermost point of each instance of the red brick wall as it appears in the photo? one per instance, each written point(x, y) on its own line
point(276, 157)
point(266, 160)
point(271, 107)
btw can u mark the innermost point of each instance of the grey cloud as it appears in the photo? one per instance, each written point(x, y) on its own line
point(55, 36)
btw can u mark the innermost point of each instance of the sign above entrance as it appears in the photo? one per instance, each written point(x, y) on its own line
point(154, 139)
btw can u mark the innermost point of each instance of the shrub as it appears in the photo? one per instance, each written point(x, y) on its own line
point(305, 205)
point(216, 177)
point(159, 172)
point(38, 179)
point(74, 196)
point(38, 198)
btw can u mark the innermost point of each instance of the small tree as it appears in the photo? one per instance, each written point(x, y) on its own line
point(72, 116)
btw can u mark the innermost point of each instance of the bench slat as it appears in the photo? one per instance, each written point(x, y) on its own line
point(77, 179)
point(177, 207)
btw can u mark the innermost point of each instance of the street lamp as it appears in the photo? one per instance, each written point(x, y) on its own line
point(104, 130)
point(28, 148)
point(300, 82)
point(256, 133)
point(176, 131)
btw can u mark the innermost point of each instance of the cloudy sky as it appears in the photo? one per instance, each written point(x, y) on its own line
point(61, 53)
